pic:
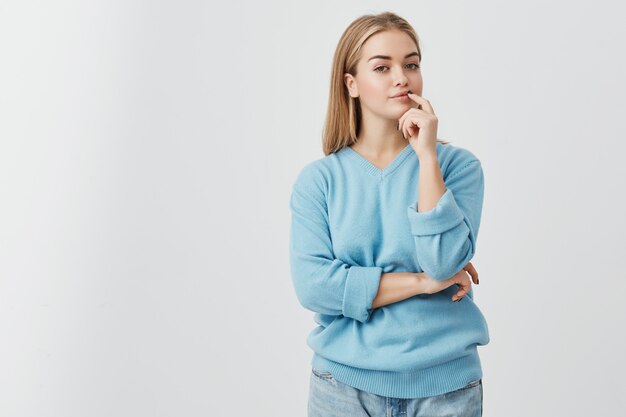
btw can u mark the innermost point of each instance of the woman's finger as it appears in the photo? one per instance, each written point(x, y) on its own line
point(420, 114)
point(412, 120)
point(469, 268)
point(425, 104)
point(401, 122)
point(462, 292)
point(407, 114)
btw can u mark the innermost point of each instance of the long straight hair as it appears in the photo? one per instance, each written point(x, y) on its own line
point(343, 116)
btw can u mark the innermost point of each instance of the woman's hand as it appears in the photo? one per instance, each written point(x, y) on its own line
point(420, 126)
point(461, 278)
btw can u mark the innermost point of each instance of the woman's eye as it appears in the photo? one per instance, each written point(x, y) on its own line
point(416, 66)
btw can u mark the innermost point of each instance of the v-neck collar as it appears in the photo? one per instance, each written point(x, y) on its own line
point(373, 169)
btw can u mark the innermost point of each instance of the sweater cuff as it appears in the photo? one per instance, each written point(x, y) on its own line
point(441, 218)
point(361, 289)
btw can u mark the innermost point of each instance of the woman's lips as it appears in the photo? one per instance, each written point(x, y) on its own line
point(401, 98)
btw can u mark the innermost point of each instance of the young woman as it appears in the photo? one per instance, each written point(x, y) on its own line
point(383, 228)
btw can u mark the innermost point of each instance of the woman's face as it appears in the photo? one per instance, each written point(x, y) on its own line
point(389, 65)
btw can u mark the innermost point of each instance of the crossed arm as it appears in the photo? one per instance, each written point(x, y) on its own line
point(398, 286)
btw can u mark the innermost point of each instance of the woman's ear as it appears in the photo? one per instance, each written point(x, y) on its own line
point(351, 85)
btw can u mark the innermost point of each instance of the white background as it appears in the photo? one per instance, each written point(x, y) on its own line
point(147, 154)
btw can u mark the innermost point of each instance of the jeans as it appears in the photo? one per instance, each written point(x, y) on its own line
point(331, 398)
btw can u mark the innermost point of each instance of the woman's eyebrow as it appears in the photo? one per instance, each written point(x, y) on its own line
point(388, 57)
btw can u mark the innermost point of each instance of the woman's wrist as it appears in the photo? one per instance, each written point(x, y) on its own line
point(421, 281)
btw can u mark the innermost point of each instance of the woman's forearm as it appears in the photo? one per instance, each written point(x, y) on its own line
point(430, 183)
point(397, 286)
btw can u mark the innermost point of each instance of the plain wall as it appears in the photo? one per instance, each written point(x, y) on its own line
point(147, 154)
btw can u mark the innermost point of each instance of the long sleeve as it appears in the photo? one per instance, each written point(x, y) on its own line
point(445, 236)
point(322, 283)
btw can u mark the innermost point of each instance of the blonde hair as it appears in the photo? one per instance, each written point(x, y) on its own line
point(343, 116)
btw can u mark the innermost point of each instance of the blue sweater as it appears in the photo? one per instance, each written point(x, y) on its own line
point(352, 221)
